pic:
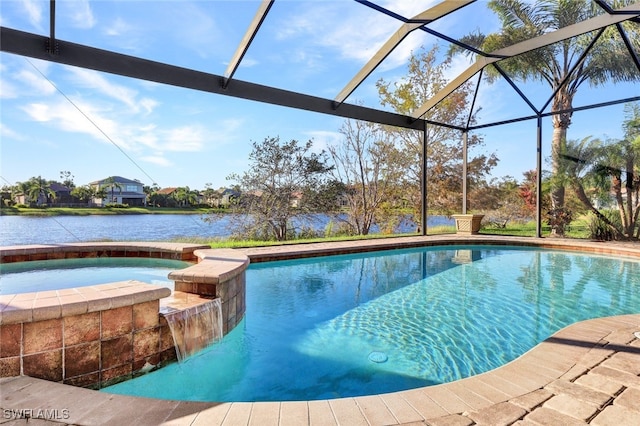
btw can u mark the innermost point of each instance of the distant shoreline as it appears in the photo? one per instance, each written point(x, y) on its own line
point(103, 211)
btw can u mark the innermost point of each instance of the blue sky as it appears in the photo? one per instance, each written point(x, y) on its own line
point(95, 125)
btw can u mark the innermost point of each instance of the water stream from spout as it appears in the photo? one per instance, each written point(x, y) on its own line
point(195, 328)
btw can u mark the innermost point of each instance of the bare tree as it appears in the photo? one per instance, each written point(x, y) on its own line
point(364, 164)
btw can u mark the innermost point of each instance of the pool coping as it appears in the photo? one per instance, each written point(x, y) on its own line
point(589, 367)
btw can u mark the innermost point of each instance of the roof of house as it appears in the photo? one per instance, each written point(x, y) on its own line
point(116, 179)
point(58, 187)
point(166, 191)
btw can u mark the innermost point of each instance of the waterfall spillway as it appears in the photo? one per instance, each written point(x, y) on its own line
point(196, 327)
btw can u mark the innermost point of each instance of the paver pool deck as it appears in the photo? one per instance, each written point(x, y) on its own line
point(586, 373)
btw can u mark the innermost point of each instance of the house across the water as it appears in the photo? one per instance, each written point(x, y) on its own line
point(119, 190)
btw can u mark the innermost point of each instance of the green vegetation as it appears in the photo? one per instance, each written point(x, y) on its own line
point(557, 65)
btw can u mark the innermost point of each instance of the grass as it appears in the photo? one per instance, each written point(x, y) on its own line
point(579, 230)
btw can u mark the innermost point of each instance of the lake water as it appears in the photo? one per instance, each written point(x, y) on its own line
point(19, 230)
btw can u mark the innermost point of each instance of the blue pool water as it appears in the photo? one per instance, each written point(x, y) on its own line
point(353, 325)
point(26, 277)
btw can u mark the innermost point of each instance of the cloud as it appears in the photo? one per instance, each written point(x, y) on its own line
point(158, 160)
point(81, 14)
point(7, 89)
point(119, 28)
point(96, 81)
point(37, 84)
point(322, 139)
point(186, 138)
point(65, 116)
point(342, 31)
point(34, 11)
point(201, 32)
point(7, 132)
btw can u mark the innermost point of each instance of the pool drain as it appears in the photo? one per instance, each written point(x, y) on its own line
point(378, 357)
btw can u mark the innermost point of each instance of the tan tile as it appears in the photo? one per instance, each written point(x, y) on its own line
point(117, 351)
point(42, 336)
point(320, 414)
point(82, 359)
point(73, 304)
point(450, 420)
point(504, 413)
point(573, 407)
point(447, 399)
point(532, 400)
point(183, 414)
point(10, 366)
point(347, 412)
point(399, 405)
point(81, 328)
point(622, 377)
point(630, 399)
point(90, 381)
point(503, 383)
point(18, 311)
point(10, 340)
point(596, 356)
point(424, 406)
point(599, 399)
point(45, 309)
point(600, 383)
point(44, 365)
point(212, 416)
point(375, 410)
point(548, 417)
point(238, 414)
point(146, 343)
point(294, 413)
point(468, 392)
point(114, 375)
point(574, 372)
point(624, 361)
point(485, 390)
point(615, 415)
point(265, 413)
point(96, 301)
point(116, 322)
point(145, 315)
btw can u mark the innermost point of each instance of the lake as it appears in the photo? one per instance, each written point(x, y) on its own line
point(19, 230)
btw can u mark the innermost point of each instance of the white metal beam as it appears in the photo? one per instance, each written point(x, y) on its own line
point(249, 35)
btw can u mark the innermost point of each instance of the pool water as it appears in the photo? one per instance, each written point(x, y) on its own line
point(353, 325)
point(26, 277)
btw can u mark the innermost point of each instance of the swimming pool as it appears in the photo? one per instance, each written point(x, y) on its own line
point(372, 323)
point(25, 277)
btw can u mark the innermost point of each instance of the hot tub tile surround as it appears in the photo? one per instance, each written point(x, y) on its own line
point(99, 335)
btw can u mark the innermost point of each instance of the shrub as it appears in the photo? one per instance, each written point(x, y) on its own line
point(559, 218)
point(600, 230)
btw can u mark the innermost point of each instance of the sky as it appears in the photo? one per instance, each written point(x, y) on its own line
point(94, 125)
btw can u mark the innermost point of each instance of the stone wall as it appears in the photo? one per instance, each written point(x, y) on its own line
point(89, 337)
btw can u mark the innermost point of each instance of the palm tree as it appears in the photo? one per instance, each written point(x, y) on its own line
point(21, 188)
point(39, 189)
point(610, 169)
point(185, 196)
point(562, 65)
point(112, 183)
